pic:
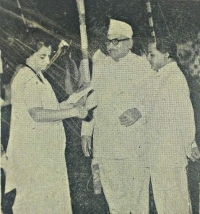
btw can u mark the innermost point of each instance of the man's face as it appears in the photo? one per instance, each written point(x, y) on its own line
point(194, 66)
point(41, 58)
point(118, 46)
point(189, 57)
point(185, 53)
point(155, 57)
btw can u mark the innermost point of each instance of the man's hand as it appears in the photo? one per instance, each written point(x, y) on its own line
point(86, 143)
point(129, 117)
point(195, 154)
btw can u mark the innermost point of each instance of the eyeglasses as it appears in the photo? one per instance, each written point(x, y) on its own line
point(115, 41)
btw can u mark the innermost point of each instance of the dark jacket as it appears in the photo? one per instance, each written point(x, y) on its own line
point(194, 86)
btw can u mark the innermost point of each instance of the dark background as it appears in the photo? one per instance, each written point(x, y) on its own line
point(177, 19)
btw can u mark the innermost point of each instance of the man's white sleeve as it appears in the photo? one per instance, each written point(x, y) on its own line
point(185, 114)
point(147, 94)
point(87, 128)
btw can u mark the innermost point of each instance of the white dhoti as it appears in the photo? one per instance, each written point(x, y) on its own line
point(126, 188)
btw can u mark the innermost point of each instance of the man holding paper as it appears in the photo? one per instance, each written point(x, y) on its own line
point(116, 82)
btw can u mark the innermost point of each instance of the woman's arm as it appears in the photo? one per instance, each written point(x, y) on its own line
point(47, 115)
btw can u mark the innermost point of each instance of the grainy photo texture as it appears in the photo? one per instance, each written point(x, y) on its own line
point(100, 106)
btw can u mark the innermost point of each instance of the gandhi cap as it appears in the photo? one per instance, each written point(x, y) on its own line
point(119, 27)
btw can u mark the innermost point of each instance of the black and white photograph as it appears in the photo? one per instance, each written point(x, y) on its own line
point(100, 106)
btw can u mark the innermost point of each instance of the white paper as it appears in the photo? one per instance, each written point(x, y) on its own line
point(75, 97)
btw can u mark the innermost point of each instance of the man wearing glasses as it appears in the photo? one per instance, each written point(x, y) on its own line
point(116, 80)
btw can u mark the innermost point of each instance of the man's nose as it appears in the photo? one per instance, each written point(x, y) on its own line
point(148, 57)
point(197, 60)
point(47, 60)
point(111, 46)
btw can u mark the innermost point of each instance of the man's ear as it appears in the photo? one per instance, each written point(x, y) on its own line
point(166, 55)
point(130, 43)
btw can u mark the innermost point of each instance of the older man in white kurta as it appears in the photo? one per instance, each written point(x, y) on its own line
point(116, 81)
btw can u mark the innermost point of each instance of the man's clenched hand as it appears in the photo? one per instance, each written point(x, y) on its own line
point(86, 143)
point(129, 117)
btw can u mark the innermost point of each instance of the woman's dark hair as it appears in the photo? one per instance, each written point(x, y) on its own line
point(34, 39)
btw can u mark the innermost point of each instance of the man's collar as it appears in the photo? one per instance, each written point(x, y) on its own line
point(125, 58)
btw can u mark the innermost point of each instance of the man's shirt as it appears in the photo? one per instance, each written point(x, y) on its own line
point(116, 87)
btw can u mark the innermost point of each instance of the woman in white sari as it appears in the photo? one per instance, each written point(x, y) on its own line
point(36, 162)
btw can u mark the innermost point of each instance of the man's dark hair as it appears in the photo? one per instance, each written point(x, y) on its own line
point(165, 45)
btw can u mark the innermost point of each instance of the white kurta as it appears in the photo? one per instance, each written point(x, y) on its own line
point(116, 86)
point(156, 146)
point(36, 162)
point(170, 126)
point(117, 148)
point(169, 133)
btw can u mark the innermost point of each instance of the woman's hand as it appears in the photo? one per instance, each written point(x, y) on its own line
point(81, 111)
